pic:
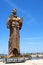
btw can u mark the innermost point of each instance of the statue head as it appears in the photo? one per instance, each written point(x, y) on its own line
point(14, 11)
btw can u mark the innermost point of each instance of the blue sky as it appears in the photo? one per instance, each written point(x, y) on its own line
point(31, 34)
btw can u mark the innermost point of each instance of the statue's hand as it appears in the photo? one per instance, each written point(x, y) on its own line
point(22, 18)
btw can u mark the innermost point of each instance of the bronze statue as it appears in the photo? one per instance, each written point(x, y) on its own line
point(14, 24)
